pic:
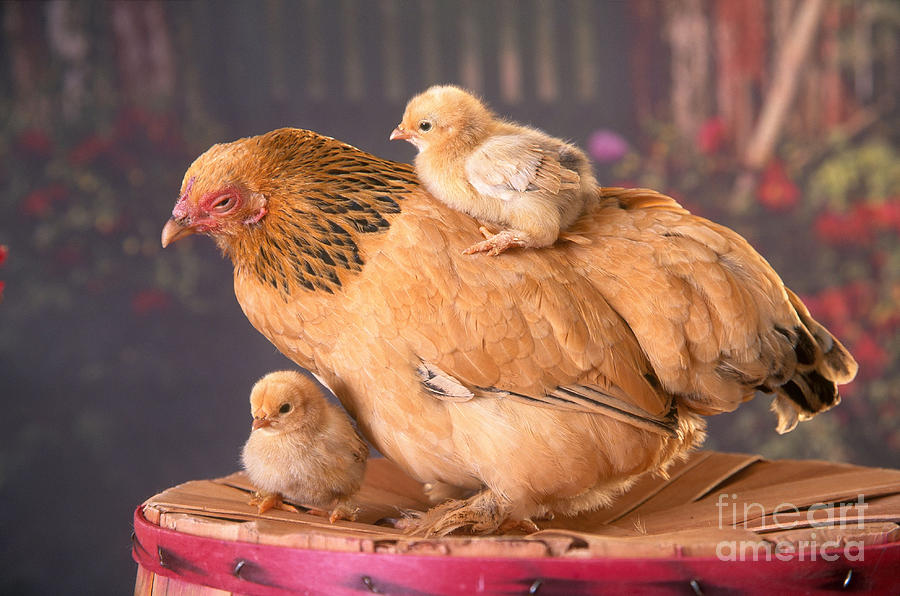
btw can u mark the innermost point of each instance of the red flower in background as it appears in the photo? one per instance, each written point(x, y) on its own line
point(711, 136)
point(39, 201)
point(856, 226)
point(88, 150)
point(871, 356)
point(890, 213)
point(830, 304)
point(146, 301)
point(860, 295)
point(834, 228)
point(35, 142)
point(885, 216)
point(777, 190)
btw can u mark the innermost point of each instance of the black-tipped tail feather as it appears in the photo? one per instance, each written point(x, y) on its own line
point(823, 363)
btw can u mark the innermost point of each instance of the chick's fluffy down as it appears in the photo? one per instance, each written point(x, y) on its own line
point(519, 178)
point(310, 454)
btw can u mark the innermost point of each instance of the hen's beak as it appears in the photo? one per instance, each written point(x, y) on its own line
point(261, 423)
point(173, 230)
point(400, 133)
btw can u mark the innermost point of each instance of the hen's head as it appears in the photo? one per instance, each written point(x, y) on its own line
point(290, 207)
point(286, 401)
point(443, 116)
point(217, 197)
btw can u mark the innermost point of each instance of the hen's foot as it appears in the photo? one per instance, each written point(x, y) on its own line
point(496, 244)
point(267, 501)
point(519, 525)
point(483, 513)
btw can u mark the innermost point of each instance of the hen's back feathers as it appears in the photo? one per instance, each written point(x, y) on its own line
point(735, 327)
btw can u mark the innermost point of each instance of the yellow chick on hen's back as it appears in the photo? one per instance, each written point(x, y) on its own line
point(529, 183)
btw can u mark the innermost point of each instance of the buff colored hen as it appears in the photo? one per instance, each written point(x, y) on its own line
point(527, 182)
point(302, 447)
point(546, 383)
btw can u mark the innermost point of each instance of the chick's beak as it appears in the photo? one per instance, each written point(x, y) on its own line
point(261, 423)
point(173, 230)
point(400, 133)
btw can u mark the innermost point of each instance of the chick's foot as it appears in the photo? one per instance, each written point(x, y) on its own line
point(340, 511)
point(343, 511)
point(266, 501)
point(498, 243)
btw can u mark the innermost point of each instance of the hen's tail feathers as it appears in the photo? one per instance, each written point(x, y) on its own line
point(823, 363)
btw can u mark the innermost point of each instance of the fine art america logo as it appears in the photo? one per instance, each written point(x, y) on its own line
point(824, 545)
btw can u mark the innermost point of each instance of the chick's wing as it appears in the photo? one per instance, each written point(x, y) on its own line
point(505, 166)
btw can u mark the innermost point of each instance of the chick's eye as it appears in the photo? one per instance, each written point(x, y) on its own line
point(424, 125)
point(224, 203)
point(285, 408)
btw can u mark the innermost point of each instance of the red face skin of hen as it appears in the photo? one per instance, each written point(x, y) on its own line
point(211, 213)
point(204, 217)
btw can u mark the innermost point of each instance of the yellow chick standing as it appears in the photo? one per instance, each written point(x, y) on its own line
point(529, 183)
point(302, 447)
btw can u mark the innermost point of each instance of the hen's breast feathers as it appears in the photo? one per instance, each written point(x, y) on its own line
point(655, 304)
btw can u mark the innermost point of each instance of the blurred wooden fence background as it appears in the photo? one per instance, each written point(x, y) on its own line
point(683, 60)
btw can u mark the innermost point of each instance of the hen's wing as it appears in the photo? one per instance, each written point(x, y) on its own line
point(506, 166)
point(530, 329)
point(713, 317)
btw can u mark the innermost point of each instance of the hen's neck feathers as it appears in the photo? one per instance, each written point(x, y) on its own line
point(323, 195)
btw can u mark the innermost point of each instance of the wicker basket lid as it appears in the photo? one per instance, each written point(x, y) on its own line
point(812, 517)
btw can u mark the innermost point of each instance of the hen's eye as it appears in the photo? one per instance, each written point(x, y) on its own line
point(424, 125)
point(224, 203)
point(285, 408)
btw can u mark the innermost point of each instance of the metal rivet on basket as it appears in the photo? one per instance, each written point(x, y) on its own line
point(162, 557)
point(535, 587)
point(369, 584)
point(695, 586)
point(238, 567)
point(847, 579)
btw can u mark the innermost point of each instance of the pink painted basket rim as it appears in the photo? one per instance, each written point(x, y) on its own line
point(251, 568)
